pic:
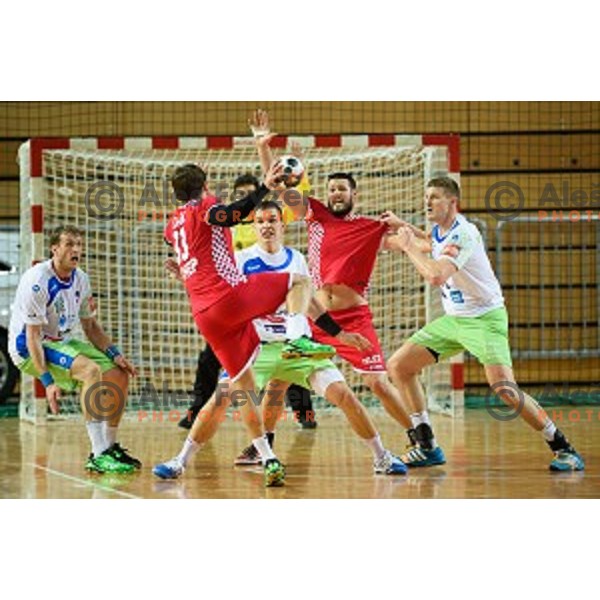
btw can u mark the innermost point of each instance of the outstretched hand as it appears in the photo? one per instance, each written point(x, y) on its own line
point(392, 221)
point(126, 365)
point(404, 238)
point(172, 268)
point(259, 123)
point(53, 395)
point(274, 176)
point(356, 340)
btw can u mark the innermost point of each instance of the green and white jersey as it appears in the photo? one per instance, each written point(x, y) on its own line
point(473, 290)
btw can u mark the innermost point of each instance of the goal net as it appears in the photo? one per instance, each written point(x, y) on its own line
point(122, 199)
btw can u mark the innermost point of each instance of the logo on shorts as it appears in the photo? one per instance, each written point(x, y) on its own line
point(63, 361)
point(36, 288)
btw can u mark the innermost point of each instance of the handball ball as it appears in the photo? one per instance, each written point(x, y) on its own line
point(293, 170)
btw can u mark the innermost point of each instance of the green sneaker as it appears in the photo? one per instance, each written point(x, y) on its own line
point(304, 347)
point(106, 463)
point(274, 473)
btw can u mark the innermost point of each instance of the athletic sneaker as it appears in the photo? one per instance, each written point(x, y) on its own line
point(249, 456)
point(172, 469)
point(121, 454)
point(274, 473)
point(389, 464)
point(106, 463)
point(419, 457)
point(304, 347)
point(567, 460)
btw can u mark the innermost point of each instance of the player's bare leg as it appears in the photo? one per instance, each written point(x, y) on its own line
point(103, 407)
point(404, 368)
point(390, 397)
point(273, 408)
point(274, 404)
point(384, 462)
point(502, 381)
point(207, 422)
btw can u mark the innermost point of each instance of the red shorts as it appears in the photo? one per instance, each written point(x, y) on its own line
point(227, 324)
point(357, 319)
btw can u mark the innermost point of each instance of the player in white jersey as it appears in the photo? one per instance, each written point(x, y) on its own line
point(275, 373)
point(53, 298)
point(475, 320)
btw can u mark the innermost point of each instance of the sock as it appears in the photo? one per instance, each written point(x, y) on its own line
point(560, 442)
point(95, 431)
point(110, 434)
point(420, 417)
point(376, 447)
point(270, 435)
point(297, 326)
point(423, 431)
point(262, 445)
point(189, 448)
point(549, 431)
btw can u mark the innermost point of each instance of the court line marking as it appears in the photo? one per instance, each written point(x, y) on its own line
point(85, 482)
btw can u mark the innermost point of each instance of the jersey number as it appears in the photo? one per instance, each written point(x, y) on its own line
point(181, 245)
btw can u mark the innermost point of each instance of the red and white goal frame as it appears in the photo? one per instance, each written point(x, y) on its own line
point(33, 405)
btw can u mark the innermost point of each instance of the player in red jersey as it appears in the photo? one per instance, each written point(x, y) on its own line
point(342, 250)
point(224, 302)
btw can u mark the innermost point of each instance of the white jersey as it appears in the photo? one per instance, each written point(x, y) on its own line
point(254, 260)
point(44, 299)
point(473, 290)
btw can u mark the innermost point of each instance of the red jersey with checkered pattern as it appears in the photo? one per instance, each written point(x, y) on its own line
point(204, 253)
point(342, 250)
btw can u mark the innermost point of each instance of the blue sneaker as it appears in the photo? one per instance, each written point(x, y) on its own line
point(171, 469)
point(567, 460)
point(418, 457)
point(389, 464)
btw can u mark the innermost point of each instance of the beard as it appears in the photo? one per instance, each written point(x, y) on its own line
point(340, 211)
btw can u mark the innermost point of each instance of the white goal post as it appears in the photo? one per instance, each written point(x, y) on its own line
point(117, 191)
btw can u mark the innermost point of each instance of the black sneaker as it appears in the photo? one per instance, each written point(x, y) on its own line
point(120, 454)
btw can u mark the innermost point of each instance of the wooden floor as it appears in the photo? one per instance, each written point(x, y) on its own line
point(486, 459)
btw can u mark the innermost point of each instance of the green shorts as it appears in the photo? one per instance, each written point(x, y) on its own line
point(485, 337)
point(269, 365)
point(60, 357)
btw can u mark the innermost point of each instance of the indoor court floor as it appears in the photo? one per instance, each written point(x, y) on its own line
point(486, 458)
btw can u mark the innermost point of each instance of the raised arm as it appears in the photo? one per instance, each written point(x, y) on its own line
point(259, 125)
point(230, 215)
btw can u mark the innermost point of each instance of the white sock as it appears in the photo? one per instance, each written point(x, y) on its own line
point(549, 431)
point(95, 431)
point(376, 447)
point(420, 417)
point(189, 448)
point(297, 326)
point(110, 434)
point(263, 448)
